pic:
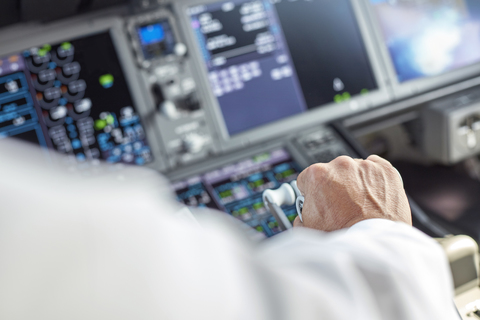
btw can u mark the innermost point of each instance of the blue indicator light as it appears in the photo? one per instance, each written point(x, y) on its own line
point(151, 34)
point(76, 144)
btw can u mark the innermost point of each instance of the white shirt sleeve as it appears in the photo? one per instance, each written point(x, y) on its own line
point(108, 247)
point(378, 269)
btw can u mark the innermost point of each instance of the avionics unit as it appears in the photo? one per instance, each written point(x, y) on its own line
point(169, 75)
point(426, 44)
point(237, 188)
point(71, 88)
point(272, 67)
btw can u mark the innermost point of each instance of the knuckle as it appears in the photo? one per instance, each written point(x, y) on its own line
point(317, 170)
point(373, 157)
point(369, 165)
point(343, 161)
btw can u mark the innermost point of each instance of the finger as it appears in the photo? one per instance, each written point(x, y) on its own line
point(379, 160)
point(309, 177)
point(386, 164)
point(297, 223)
point(302, 180)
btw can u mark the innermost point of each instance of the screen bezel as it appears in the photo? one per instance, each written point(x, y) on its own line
point(324, 114)
point(415, 86)
point(16, 42)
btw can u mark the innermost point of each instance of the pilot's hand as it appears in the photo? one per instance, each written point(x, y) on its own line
point(346, 191)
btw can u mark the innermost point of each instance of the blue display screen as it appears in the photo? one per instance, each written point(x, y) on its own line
point(429, 38)
point(151, 34)
point(270, 62)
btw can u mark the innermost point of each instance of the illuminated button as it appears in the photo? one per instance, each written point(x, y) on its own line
point(106, 80)
point(58, 113)
point(65, 50)
point(14, 66)
point(77, 86)
point(52, 93)
point(83, 105)
point(180, 49)
point(46, 75)
point(18, 121)
point(71, 68)
point(12, 86)
point(38, 60)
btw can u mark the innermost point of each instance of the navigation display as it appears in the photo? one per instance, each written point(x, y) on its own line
point(428, 37)
point(156, 39)
point(269, 60)
point(72, 97)
point(237, 189)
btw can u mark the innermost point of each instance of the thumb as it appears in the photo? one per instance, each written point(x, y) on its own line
point(297, 223)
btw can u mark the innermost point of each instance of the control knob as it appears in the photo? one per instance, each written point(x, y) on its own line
point(194, 142)
point(170, 110)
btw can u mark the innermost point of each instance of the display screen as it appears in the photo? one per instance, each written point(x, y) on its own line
point(269, 60)
point(429, 37)
point(237, 189)
point(152, 34)
point(156, 39)
point(72, 97)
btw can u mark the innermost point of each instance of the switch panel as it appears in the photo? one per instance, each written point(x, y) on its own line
point(169, 72)
point(451, 128)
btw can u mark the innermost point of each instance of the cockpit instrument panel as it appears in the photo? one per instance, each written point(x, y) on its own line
point(72, 96)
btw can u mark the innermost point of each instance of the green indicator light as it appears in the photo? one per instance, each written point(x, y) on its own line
point(273, 224)
point(338, 98)
point(292, 217)
point(346, 96)
point(42, 52)
point(100, 124)
point(364, 91)
point(110, 119)
point(257, 206)
point(262, 157)
point(106, 80)
point(66, 46)
point(225, 194)
point(47, 47)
